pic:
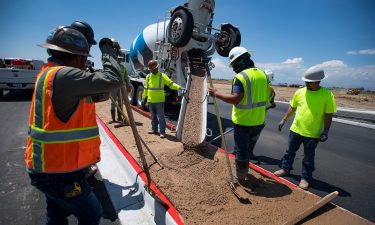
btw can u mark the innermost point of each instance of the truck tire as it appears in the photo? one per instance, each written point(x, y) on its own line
point(139, 94)
point(232, 40)
point(180, 27)
point(131, 95)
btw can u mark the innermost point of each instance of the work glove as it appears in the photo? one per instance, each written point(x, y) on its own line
point(143, 103)
point(105, 42)
point(281, 124)
point(183, 90)
point(324, 136)
point(212, 92)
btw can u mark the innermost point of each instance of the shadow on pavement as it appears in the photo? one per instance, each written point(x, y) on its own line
point(322, 186)
point(265, 160)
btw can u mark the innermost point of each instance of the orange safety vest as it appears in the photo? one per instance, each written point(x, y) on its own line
point(52, 145)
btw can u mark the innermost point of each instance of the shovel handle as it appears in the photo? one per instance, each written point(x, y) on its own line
point(220, 127)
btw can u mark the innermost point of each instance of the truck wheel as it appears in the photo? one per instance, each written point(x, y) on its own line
point(139, 97)
point(131, 95)
point(231, 39)
point(180, 28)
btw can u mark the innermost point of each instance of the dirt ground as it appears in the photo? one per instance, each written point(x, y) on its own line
point(364, 100)
point(195, 181)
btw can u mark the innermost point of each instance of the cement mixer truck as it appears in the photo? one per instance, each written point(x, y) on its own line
point(182, 43)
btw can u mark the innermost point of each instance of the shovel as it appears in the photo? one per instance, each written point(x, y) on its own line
point(140, 150)
point(239, 193)
point(143, 142)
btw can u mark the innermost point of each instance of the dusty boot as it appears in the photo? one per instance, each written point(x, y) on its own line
point(242, 168)
point(113, 116)
point(119, 117)
point(281, 173)
point(304, 184)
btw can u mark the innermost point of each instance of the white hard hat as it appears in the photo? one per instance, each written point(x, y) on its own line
point(269, 74)
point(235, 53)
point(313, 75)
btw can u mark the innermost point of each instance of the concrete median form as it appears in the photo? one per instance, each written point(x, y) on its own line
point(125, 181)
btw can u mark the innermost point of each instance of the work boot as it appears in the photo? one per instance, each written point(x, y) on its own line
point(162, 135)
point(119, 117)
point(281, 173)
point(113, 116)
point(304, 184)
point(242, 168)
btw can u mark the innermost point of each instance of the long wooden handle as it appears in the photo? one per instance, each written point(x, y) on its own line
point(220, 128)
point(136, 137)
point(313, 208)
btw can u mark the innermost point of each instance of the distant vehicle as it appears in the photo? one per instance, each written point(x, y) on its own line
point(294, 85)
point(18, 74)
point(283, 84)
point(354, 91)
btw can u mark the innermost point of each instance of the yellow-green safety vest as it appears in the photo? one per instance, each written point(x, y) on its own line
point(251, 111)
point(154, 87)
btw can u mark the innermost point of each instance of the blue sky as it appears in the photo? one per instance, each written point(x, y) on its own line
point(288, 36)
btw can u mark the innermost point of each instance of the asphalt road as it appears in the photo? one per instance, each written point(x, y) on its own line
point(346, 162)
point(20, 203)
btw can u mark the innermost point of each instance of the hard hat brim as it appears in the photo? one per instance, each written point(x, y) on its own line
point(57, 48)
point(308, 80)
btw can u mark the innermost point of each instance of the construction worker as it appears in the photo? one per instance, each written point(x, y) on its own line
point(63, 137)
point(249, 96)
point(155, 96)
point(270, 75)
point(88, 32)
point(314, 106)
point(119, 94)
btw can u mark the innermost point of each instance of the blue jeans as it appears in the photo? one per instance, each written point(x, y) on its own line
point(245, 138)
point(157, 111)
point(85, 206)
point(309, 144)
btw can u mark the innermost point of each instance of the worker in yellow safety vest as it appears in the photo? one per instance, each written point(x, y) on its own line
point(314, 106)
point(63, 136)
point(155, 96)
point(272, 104)
point(249, 96)
point(119, 94)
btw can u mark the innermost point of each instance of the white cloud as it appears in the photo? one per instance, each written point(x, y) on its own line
point(293, 61)
point(221, 70)
point(370, 51)
point(291, 70)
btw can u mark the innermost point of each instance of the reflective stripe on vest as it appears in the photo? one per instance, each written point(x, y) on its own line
point(62, 136)
point(159, 88)
point(250, 104)
point(39, 135)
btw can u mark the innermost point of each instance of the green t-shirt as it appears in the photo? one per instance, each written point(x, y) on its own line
point(311, 107)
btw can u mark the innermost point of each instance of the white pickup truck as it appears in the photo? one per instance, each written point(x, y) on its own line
point(18, 74)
